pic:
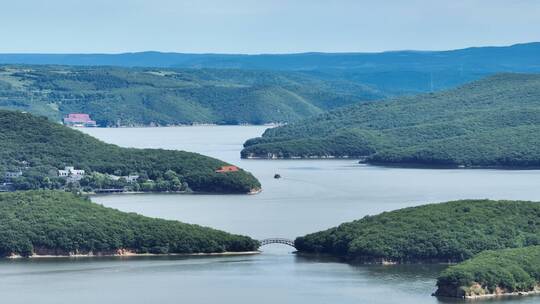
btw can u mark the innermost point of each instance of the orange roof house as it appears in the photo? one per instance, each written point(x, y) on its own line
point(225, 169)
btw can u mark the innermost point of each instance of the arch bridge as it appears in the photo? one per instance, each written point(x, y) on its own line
point(277, 241)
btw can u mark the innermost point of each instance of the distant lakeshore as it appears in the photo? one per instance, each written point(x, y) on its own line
point(362, 161)
point(98, 193)
point(127, 253)
point(134, 126)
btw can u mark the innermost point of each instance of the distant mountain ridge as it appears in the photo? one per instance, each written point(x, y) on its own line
point(484, 58)
point(393, 72)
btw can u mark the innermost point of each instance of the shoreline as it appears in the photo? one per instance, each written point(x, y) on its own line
point(395, 165)
point(132, 254)
point(373, 261)
point(535, 292)
point(255, 191)
point(301, 157)
point(91, 194)
point(150, 126)
point(506, 294)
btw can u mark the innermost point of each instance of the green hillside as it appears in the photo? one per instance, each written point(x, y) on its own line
point(59, 223)
point(163, 96)
point(493, 272)
point(393, 72)
point(446, 232)
point(491, 122)
point(37, 148)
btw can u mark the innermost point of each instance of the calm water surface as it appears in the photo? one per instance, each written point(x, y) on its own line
point(312, 195)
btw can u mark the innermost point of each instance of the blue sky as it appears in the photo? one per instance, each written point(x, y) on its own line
point(262, 26)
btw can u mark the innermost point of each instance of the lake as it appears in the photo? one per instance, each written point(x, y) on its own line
point(311, 195)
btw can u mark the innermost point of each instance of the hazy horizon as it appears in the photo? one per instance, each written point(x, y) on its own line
point(256, 54)
point(263, 27)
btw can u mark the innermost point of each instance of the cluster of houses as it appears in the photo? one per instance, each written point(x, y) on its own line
point(74, 175)
point(69, 173)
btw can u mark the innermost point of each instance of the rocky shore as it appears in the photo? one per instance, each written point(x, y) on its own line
point(477, 291)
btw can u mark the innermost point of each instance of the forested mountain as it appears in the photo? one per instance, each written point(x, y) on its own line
point(494, 122)
point(59, 223)
point(38, 148)
point(158, 96)
point(392, 72)
point(452, 231)
point(154, 88)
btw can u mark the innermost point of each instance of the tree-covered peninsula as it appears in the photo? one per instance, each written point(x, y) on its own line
point(35, 153)
point(62, 224)
point(494, 122)
point(493, 273)
point(446, 232)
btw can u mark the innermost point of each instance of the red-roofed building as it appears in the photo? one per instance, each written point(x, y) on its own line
point(225, 169)
point(79, 120)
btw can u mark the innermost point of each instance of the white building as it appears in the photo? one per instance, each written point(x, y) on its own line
point(132, 178)
point(128, 178)
point(12, 174)
point(71, 174)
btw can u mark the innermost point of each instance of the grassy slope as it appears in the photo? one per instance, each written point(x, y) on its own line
point(492, 122)
point(47, 146)
point(59, 223)
point(452, 231)
point(173, 96)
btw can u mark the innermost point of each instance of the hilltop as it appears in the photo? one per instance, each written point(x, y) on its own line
point(493, 122)
point(34, 149)
point(116, 96)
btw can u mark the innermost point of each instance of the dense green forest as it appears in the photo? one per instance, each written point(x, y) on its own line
point(395, 72)
point(446, 232)
point(152, 88)
point(493, 272)
point(60, 223)
point(159, 96)
point(37, 148)
point(492, 122)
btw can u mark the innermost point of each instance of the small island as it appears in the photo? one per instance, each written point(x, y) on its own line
point(55, 223)
point(447, 232)
point(493, 273)
point(40, 154)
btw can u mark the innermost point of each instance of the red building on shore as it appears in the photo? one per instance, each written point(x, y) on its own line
point(79, 120)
